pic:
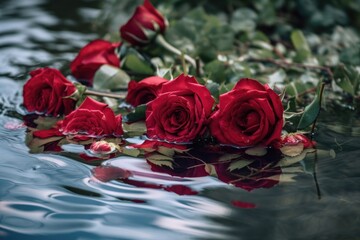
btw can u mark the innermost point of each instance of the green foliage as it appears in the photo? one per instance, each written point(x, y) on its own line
point(108, 77)
point(135, 62)
point(290, 45)
point(312, 110)
point(301, 46)
point(348, 78)
point(201, 34)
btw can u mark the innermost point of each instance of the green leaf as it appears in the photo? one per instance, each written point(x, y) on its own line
point(348, 78)
point(311, 111)
point(135, 62)
point(277, 77)
point(351, 55)
point(137, 115)
point(135, 128)
point(256, 151)
point(243, 19)
point(134, 152)
point(45, 122)
point(108, 77)
point(239, 164)
point(224, 88)
point(301, 46)
point(213, 88)
point(346, 85)
point(289, 161)
point(228, 157)
point(216, 70)
point(211, 170)
point(160, 160)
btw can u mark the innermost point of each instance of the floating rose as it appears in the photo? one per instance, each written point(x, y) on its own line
point(48, 91)
point(92, 57)
point(144, 91)
point(143, 26)
point(93, 119)
point(248, 115)
point(293, 144)
point(102, 148)
point(180, 112)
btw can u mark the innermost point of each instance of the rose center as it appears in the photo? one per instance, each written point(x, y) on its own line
point(178, 117)
point(249, 123)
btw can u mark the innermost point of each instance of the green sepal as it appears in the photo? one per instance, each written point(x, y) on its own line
point(137, 115)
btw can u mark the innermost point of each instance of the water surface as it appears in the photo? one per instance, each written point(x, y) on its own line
point(50, 196)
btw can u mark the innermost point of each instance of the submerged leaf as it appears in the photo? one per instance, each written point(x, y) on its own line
point(210, 169)
point(239, 164)
point(256, 151)
point(160, 160)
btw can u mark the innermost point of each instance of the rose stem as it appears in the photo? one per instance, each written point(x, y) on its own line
point(105, 94)
point(320, 98)
point(183, 63)
point(162, 42)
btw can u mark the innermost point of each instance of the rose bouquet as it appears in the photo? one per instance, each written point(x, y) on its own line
point(227, 128)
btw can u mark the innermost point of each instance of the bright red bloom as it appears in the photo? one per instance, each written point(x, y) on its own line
point(48, 91)
point(92, 57)
point(248, 115)
point(180, 112)
point(93, 119)
point(146, 21)
point(144, 91)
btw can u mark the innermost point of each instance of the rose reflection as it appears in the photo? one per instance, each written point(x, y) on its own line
point(230, 165)
point(260, 172)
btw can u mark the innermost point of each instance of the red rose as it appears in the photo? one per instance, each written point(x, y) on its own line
point(91, 57)
point(180, 111)
point(94, 119)
point(48, 91)
point(144, 91)
point(248, 115)
point(145, 22)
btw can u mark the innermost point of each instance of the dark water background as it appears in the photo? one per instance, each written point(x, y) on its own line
point(48, 196)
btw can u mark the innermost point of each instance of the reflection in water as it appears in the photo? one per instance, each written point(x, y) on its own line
point(51, 196)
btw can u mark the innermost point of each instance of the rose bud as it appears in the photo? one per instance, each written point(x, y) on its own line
point(49, 92)
point(91, 58)
point(293, 144)
point(248, 115)
point(92, 119)
point(143, 26)
point(144, 91)
point(180, 112)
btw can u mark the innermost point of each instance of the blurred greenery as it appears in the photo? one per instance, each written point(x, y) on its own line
point(291, 45)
